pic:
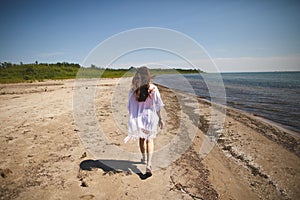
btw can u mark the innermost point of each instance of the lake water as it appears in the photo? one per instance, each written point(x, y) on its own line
point(271, 95)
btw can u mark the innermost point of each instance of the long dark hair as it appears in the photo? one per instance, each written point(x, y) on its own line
point(141, 84)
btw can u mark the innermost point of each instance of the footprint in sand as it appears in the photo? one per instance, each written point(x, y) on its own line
point(5, 172)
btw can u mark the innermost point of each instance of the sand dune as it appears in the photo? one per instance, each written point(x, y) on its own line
point(50, 152)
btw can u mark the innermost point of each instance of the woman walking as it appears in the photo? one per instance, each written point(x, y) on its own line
point(144, 106)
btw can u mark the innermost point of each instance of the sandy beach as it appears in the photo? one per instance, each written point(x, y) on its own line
point(44, 156)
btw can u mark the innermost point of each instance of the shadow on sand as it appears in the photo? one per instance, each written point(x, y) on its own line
point(113, 167)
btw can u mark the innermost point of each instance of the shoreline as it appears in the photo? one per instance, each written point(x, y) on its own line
point(282, 127)
point(279, 126)
point(285, 137)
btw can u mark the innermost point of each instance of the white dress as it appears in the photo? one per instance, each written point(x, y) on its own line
point(143, 119)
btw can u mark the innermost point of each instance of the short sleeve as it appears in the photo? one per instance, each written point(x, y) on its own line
point(158, 103)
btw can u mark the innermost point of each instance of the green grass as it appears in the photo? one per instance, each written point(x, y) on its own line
point(15, 73)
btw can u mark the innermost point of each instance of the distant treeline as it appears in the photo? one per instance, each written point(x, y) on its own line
point(14, 73)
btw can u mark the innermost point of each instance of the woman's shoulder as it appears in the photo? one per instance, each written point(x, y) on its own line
point(153, 90)
point(152, 86)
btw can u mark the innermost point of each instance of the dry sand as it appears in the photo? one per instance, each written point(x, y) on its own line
point(43, 156)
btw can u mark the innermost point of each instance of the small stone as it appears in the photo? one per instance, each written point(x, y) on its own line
point(83, 184)
point(83, 155)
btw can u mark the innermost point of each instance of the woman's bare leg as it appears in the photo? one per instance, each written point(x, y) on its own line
point(143, 148)
point(150, 147)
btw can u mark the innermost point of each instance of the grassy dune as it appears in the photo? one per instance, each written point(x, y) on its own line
point(15, 73)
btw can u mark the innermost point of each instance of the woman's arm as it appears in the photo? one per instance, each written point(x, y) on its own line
point(160, 122)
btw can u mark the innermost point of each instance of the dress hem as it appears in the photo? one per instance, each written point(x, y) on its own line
point(135, 137)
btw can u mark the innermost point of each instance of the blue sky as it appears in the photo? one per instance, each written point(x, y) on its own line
point(238, 35)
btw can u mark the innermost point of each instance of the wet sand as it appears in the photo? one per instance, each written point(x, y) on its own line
point(43, 156)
